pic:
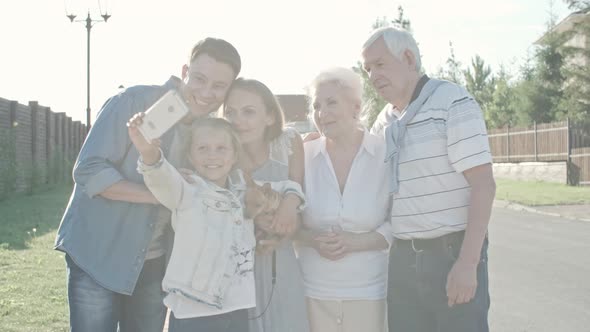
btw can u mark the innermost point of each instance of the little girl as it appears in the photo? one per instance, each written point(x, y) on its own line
point(209, 278)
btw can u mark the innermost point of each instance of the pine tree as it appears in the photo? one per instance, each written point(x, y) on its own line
point(479, 80)
point(540, 94)
point(575, 103)
point(452, 70)
point(578, 4)
point(500, 110)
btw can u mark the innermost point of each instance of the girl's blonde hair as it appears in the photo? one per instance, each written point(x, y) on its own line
point(216, 124)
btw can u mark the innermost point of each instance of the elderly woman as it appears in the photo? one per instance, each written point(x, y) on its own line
point(346, 233)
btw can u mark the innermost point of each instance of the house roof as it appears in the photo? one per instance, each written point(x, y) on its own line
point(567, 23)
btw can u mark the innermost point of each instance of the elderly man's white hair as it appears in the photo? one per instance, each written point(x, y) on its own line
point(397, 40)
point(343, 77)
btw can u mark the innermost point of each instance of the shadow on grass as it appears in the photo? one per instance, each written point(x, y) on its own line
point(23, 217)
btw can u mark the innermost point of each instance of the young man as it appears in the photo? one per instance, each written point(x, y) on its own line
point(443, 189)
point(113, 228)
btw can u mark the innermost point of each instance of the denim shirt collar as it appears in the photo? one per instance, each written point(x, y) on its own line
point(173, 82)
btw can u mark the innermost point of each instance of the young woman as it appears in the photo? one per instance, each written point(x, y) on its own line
point(271, 153)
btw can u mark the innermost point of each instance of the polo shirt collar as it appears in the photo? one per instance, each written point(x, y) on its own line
point(417, 90)
point(421, 82)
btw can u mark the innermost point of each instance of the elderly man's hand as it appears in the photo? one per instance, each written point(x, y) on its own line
point(461, 283)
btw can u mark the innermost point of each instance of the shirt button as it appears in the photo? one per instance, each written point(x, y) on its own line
point(142, 251)
point(338, 321)
point(218, 205)
point(238, 222)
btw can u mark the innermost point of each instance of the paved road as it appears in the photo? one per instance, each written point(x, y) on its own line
point(539, 273)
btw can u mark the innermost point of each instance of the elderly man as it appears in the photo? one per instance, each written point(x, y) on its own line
point(442, 189)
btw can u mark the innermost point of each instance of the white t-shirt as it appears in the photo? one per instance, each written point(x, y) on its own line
point(362, 207)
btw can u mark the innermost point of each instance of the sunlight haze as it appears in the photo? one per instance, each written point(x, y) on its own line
point(282, 43)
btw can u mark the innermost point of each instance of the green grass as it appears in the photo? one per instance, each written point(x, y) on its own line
point(541, 193)
point(32, 275)
point(33, 293)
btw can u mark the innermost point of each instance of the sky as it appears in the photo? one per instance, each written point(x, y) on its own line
point(282, 43)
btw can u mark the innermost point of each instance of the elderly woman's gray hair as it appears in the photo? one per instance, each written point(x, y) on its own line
point(344, 78)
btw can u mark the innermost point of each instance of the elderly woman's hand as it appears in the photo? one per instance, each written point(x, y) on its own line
point(336, 244)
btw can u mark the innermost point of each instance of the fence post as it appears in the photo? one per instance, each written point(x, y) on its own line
point(34, 120)
point(535, 139)
point(569, 154)
point(11, 184)
point(59, 143)
point(508, 140)
point(569, 143)
point(48, 144)
point(13, 124)
point(66, 145)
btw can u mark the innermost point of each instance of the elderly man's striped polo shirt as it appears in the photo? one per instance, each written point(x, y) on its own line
point(446, 137)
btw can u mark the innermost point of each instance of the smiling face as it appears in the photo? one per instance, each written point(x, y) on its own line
point(334, 112)
point(206, 84)
point(393, 78)
point(212, 154)
point(248, 115)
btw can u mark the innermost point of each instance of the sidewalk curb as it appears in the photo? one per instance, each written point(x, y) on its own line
point(519, 207)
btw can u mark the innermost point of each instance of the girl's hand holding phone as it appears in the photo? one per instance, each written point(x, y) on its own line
point(150, 152)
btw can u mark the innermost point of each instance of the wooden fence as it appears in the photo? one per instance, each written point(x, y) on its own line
point(37, 146)
point(557, 141)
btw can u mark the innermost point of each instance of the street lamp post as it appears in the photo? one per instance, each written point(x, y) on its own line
point(89, 24)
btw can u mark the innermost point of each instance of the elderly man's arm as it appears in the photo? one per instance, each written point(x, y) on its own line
point(462, 279)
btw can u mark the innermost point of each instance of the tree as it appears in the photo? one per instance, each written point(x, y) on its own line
point(540, 93)
point(500, 110)
point(575, 103)
point(531, 103)
point(401, 20)
point(577, 4)
point(372, 102)
point(452, 69)
point(479, 81)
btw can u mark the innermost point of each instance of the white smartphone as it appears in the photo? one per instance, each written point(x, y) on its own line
point(162, 115)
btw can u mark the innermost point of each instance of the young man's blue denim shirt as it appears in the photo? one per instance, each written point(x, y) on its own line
point(109, 239)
